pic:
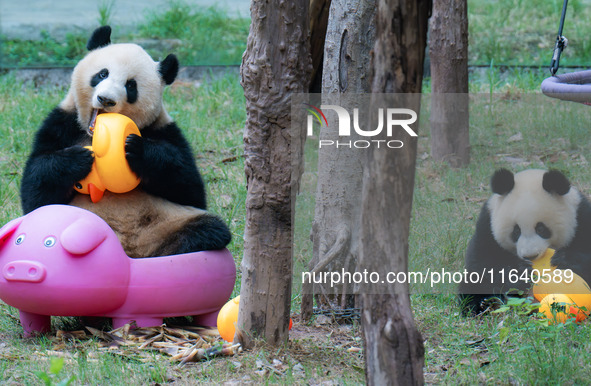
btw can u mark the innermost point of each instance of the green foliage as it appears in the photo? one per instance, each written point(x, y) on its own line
point(50, 379)
point(519, 305)
point(105, 10)
point(503, 32)
point(213, 38)
point(512, 345)
point(544, 341)
point(523, 32)
point(45, 51)
point(198, 36)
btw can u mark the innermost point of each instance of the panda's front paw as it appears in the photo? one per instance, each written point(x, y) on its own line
point(575, 260)
point(559, 259)
point(79, 162)
point(134, 153)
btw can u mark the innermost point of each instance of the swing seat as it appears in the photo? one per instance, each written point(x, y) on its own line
point(574, 87)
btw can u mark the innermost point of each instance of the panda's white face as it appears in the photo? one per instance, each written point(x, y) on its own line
point(529, 219)
point(117, 78)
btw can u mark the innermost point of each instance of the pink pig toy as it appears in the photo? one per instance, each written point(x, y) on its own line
point(66, 261)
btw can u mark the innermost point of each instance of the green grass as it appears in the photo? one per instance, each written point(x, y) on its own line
point(523, 32)
point(105, 10)
point(208, 36)
point(500, 349)
point(508, 347)
point(43, 52)
point(198, 36)
point(501, 32)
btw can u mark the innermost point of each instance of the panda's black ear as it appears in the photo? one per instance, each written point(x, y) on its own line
point(100, 37)
point(502, 182)
point(555, 182)
point(169, 68)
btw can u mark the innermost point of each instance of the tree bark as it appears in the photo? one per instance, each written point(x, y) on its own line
point(335, 232)
point(276, 65)
point(448, 50)
point(319, 10)
point(393, 346)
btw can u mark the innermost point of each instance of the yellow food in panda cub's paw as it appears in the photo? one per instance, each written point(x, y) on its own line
point(553, 282)
point(110, 170)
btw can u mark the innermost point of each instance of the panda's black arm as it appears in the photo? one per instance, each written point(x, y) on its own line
point(162, 158)
point(56, 162)
point(484, 254)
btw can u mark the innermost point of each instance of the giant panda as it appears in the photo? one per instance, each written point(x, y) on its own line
point(527, 213)
point(166, 214)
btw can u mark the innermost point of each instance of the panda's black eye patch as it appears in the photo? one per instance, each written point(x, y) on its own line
point(131, 89)
point(516, 233)
point(543, 231)
point(99, 77)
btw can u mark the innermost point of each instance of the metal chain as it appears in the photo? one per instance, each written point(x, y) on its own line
point(339, 314)
point(561, 42)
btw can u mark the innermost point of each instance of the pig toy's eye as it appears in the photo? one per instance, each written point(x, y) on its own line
point(19, 240)
point(49, 242)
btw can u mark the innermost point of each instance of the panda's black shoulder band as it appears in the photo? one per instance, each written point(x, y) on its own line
point(555, 182)
point(101, 37)
point(502, 182)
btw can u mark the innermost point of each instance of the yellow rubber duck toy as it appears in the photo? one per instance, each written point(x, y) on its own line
point(575, 292)
point(110, 170)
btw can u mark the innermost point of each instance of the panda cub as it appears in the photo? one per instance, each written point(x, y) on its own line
point(166, 213)
point(528, 212)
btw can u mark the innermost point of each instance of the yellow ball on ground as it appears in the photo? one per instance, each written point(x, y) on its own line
point(227, 319)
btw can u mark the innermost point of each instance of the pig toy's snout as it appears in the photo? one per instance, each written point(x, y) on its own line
point(24, 270)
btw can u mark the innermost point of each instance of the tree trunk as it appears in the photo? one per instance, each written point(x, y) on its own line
point(393, 346)
point(276, 65)
point(335, 231)
point(318, 23)
point(350, 37)
point(448, 50)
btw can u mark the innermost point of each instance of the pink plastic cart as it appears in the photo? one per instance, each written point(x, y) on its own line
point(65, 261)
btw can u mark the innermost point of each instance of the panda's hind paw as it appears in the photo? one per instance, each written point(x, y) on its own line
point(207, 232)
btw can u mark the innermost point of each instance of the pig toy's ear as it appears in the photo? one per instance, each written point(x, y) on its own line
point(82, 236)
point(7, 230)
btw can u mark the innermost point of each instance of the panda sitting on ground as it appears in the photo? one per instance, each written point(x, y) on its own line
point(166, 213)
point(528, 212)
